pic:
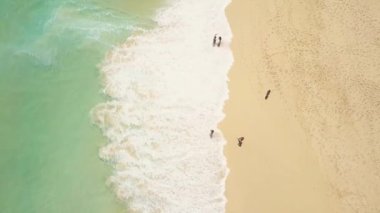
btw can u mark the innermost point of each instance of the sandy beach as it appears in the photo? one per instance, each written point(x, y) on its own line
point(314, 144)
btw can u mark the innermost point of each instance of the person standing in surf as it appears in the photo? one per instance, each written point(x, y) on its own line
point(214, 41)
point(220, 41)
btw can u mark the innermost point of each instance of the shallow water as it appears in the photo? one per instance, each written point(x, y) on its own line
point(49, 81)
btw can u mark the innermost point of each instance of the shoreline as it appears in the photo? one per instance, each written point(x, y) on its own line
point(270, 172)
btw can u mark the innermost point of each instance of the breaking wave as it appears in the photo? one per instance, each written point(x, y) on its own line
point(167, 88)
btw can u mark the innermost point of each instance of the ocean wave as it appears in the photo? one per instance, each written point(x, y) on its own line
point(168, 86)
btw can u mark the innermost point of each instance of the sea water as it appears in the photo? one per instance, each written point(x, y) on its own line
point(49, 82)
point(167, 87)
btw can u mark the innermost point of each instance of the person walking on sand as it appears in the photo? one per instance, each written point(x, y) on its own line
point(211, 133)
point(220, 41)
point(240, 141)
point(267, 95)
point(214, 41)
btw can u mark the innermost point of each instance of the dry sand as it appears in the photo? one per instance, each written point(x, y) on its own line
point(314, 145)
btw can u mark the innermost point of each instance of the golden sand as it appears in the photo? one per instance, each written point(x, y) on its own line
point(314, 144)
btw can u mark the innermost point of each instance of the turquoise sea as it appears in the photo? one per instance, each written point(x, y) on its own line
point(49, 82)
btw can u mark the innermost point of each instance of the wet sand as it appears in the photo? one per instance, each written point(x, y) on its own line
point(314, 144)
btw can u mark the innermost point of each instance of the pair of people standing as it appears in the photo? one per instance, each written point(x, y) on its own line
point(219, 41)
point(240, 139)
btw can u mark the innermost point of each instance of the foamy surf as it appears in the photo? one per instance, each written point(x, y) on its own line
point(168, 86)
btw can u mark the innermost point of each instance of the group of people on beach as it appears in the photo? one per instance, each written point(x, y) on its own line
point(240, 139)
point(217, 41)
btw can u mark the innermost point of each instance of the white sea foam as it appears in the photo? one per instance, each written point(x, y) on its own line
point(168, 86)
